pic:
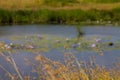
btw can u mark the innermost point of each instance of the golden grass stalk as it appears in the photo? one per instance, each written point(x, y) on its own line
point(9, 74)
point(15, 67)
point(74, 70)
point(11, 60)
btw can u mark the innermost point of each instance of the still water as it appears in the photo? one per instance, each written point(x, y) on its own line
point(67, 31)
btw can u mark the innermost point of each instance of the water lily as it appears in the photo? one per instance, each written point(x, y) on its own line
point(30, 47)
point(93, 45)
point(98, 40)
point(7, 46)
point(11, 44)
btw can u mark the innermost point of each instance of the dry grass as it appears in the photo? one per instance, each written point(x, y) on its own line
point(88, 6)
point(37, 4)
point(20, 4)
point(74, 70)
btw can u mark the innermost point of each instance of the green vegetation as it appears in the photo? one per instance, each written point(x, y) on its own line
point(62, 12)
point(58, 16)
point(36, 43)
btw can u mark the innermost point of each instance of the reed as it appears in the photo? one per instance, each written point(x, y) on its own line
point(71, 69)
point(74, 70)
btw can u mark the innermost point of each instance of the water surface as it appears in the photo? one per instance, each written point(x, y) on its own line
point(106, 33)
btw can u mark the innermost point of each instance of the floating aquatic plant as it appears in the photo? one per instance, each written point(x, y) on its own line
point(38, 43)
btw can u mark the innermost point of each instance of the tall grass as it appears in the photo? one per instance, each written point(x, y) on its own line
point(74, 70)
point(54, 11)
point(20, 4)
point(57, 16)
point(71, 69)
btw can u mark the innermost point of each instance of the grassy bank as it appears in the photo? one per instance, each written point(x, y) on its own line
point(73, 16)
point(60, 12)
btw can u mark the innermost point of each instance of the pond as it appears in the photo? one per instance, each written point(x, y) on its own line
point(60, 33)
